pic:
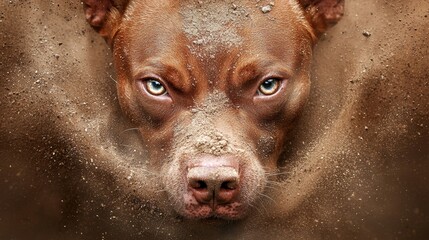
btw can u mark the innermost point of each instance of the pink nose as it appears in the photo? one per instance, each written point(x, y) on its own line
point(214, 180)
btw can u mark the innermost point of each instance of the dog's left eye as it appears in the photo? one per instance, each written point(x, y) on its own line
point(269, 86)
point(154, 87)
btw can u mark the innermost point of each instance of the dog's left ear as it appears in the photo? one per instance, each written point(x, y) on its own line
point(104, 15)
point(322, 14)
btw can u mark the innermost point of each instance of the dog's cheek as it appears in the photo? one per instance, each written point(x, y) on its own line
point(299, 95)
point(130, 105)
point(253, 180)
point(173, 179)
point(296, 98)
point(268, 147)
point(264, 136)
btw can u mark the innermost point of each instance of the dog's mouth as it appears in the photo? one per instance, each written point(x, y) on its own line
point(213, 211)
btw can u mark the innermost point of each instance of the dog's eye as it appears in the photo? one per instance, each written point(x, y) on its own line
point(269, 86)
point(154, 87)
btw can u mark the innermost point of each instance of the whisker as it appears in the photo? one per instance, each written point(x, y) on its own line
point(265, 208)
point(254, 207)
point(110, 76)
point(273, 183)
point(148, 172)
point(129, 129)
point(268, 197)
point(271, 187)
point(276, 174)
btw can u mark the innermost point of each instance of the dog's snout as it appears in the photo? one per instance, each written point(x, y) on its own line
point(213, 182)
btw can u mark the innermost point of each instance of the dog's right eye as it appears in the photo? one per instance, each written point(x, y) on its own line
point(155, 87)
point(269, 87)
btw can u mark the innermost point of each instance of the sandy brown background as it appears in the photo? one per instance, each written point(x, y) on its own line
point(358, 166)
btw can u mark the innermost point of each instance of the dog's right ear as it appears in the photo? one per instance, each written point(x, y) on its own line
point(322, 14)
point(104, 15)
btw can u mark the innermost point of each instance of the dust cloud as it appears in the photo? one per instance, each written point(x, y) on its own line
point(72, 167)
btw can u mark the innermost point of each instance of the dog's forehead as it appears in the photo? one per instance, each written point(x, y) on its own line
point(213, 25)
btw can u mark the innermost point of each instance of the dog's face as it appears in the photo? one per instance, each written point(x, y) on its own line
point(214, 87)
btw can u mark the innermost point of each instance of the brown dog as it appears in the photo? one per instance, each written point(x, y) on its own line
point(356, 167)
point(214, 87)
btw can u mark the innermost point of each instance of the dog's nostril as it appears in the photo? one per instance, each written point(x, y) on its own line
point(229, 185)
point(201, 185)
point(198, 184)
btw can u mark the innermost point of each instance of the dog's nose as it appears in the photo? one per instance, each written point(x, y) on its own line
point(213, 182)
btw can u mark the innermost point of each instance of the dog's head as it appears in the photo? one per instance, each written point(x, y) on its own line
point(214, 87)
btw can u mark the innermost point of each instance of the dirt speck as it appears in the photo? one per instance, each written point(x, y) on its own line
point(267, 8)
point(366, 33)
